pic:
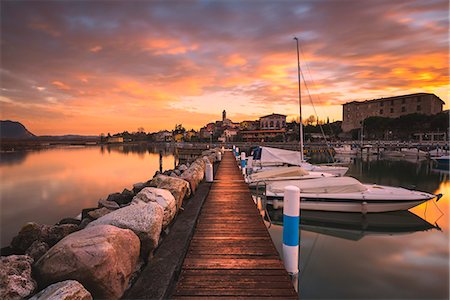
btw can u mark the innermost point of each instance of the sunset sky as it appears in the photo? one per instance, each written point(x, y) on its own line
point(91, 67)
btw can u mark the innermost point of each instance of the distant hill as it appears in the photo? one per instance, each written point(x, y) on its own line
point(14, 130)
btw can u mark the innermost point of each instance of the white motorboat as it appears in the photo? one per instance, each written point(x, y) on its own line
point(346, 194)
point(345, 149)
point(266, 158)
point(413, 152)
point(283, 173)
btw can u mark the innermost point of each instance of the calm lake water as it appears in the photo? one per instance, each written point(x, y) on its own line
point(47, 185)
point(381, 256)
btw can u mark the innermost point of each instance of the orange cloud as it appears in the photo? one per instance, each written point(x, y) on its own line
point(60, 85)
point(168, 46)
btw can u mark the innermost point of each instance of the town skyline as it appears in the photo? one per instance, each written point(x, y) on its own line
point(116, 66)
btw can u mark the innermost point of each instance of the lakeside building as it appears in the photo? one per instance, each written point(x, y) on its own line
point(353, 113)
point(163, 136)
point(263, 135)
point(272, 121)
point(114, 139)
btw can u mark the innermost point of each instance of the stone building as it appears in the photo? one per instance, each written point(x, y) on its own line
point(392, 107)
point(273, 121)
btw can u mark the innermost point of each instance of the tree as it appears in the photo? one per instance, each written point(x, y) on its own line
point(310, 120)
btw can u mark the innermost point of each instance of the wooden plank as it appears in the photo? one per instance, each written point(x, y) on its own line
point(231, 254)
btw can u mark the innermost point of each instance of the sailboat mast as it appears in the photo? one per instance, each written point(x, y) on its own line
point(299, 102)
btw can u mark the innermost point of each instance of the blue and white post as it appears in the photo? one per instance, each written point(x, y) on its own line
point(237, 153)
point(243, 163)
point(291, 222)
point(234, 150)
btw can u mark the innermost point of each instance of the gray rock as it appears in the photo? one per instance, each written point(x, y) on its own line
point(182, 168)
point(37, 249)
point(161, 196)
point(173, 174)
point(98, 213)
point(69, 221)
point(49, 234)
point(84, 212)
point(102, 258)
point(85, 222)
point(137, 187)
point(177, 172)
point(127, 195)
point(178, 187)
point(15, 277)
point(108, 204)
point(64, 290)
point(144, 219)
point(195, 173)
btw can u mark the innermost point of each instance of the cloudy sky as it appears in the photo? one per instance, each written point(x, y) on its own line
point(88, 67)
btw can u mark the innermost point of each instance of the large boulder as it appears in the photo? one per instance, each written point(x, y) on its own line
point(15, 277)
point(102, 258)
point(108, 204)
point(179, 188)
point(50, 234)
point(161, 196)
point(98, 213)
point(64, 290)
point(195, 173)
point(144, 219)
point(37, 249)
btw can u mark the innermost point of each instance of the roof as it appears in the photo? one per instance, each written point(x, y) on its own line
point(273, 115)
point(393, 98)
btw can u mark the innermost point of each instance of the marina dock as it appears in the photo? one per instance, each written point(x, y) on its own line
point(231, 253)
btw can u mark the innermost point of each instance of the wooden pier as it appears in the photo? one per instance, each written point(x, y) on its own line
point(231, 253)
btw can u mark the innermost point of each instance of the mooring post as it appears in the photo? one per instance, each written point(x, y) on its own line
point(160, 161)
point(237, 153)
point(219, 156)
point(291, 222)
point(209, 175)
point(243, 163)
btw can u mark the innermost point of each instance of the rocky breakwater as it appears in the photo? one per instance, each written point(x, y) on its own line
point(100, 254)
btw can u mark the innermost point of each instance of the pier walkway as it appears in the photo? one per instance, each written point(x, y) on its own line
point(231, 253)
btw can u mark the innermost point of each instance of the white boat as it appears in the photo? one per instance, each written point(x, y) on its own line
point(404, 152)
point(346, 194)
point(345, 149)
point(413, 152)
point(266, 158)
point(283, 173)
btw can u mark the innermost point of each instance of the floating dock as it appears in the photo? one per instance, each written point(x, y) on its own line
point(231, 253)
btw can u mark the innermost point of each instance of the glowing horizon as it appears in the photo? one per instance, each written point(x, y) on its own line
point(99, 67)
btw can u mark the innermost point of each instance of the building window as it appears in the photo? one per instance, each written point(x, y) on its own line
point(403, 101)
point(278, 124)
point(381, 111)
point(403, 109)
point(392, 110)
point(419, 108)
point(418, 100)
point(392, 102)
point(381, 103)
point(271, 123)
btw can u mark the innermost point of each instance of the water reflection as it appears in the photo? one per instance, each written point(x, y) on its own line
point(47, 185)
point(354, 226)
point(385, 256)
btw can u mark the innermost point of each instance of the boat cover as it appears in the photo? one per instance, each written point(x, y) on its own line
point(325, 185)
point(275, 155)
point(279, 172)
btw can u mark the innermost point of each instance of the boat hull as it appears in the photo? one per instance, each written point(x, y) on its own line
point(334, 205)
